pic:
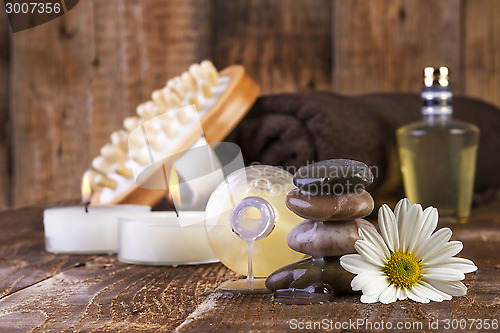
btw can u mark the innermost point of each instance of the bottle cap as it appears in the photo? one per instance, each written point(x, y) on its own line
point(434, 76)
point(436, 92)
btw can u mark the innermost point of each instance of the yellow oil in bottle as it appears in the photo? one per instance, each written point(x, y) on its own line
point(270, 253)
point(438, 154)
point(438, 161)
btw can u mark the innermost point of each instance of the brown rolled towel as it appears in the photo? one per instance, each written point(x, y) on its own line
point(289, 130)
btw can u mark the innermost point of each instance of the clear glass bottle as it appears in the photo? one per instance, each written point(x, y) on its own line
point(235, 197)
point(438, 154)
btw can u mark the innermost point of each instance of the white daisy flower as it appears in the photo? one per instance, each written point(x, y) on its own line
point(408, 260)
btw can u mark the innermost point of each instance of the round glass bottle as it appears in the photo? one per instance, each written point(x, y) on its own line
point(252, 195)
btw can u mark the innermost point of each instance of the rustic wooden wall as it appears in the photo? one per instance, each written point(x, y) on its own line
point(284, 45)
point(67, 84)
point(4, 113)
point(481, 51)
point(370, 56)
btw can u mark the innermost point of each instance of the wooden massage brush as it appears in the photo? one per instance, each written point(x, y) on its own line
point(221, 99)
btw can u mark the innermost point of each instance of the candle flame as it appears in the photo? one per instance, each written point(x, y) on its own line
point(86, 189)
point(174, 193)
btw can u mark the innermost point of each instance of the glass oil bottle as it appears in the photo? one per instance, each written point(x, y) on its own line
point(438, 154)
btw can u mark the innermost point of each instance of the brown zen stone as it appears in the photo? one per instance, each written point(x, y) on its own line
point(330, 207)
point(320, 239)
point(307, 272)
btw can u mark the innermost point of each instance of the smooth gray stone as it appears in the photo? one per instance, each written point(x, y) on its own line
point(310, 272)
point(336, 176)
point(320, 239)
point(343, 207)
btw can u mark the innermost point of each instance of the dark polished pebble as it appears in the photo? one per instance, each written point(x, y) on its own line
point(330, 207)
point(337, 176)
point(320, 239)
point(309, 272)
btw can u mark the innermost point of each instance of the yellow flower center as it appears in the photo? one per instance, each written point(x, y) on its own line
point(403, 269)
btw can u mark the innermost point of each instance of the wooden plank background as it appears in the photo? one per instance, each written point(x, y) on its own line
point(67, 84)
point(390, 56)
point(4, 112)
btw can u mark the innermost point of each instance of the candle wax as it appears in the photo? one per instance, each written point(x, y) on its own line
point(71, 230)
point(165, 239)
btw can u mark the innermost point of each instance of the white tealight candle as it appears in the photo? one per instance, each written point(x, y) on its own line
point(165, 239)
point(72, 230)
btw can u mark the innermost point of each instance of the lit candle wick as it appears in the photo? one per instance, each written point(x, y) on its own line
point(174, 193)
point(86, 190)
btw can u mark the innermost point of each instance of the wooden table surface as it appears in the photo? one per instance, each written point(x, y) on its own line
point(41, 292)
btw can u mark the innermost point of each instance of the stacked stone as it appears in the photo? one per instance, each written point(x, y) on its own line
point(331, 196)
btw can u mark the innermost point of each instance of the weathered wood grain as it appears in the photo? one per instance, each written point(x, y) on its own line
point(284, 45)
point(23, 260)
point(137, 46)
point(57, 293)
point(50, 108)
point(98, 293)
point(246, 313)
point(4, 112)
point(482, 50)
point(105, 295)
point(384, 45)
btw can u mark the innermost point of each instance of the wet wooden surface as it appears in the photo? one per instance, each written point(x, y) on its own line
point(43, 292)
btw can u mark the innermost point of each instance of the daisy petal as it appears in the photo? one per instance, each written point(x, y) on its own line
point(443, 274)
point(408, 223)
point(388, 227)
point(458, 267)
point(464, 265)
point(401, 209)
point(372, 236)
point(433, 244)
point(457, 260)
point(439, 293)
point(431, 217)
point(389, 295)
point(454, 288)
point(414, 229)
point(361, 280)
point(369, 252)
point(414, 297)
point(355, 264)
point(369, 298)
point(401, 294)
point(461, 264)
point(444, 254)
point(376, 286)
point(423, 290)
